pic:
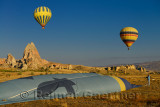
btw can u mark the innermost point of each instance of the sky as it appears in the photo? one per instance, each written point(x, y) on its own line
point(83, 32)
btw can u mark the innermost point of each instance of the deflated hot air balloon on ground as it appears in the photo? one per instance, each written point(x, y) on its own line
point(42, 15)
point(129, 35)
point(60, 86)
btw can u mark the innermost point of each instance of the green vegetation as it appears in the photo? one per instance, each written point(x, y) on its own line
point(79, 67)
point(3, 70)
point(42, 69)
point(32, 73)
point(94, 70)
point(8, 75)
point(40, 74)
point(19, 73)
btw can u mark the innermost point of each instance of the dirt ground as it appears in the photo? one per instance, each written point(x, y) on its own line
point(145, 96)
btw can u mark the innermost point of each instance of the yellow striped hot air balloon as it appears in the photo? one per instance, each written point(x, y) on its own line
point(42, 15)
point(129, 35)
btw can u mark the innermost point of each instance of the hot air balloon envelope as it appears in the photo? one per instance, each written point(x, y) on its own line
point(60, 86)
point(42, 15)
point(129, 35)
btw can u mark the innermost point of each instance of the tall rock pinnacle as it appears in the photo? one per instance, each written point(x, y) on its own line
point(11, 60)
point(31, 57)
point(30, 60)
point(31, 51)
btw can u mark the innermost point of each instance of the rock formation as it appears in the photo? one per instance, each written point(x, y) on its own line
point(31, 52)
point(130, 67)
point(124, 68)
point(142, 69)
point(11, 61)
point(2, 61)
point(69, 67)
point(117, 68)
point(31, 58)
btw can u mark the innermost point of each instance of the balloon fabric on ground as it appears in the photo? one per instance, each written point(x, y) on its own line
point(60, 86)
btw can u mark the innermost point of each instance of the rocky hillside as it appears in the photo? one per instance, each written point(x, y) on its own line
point(154, 66)
point(31, 60)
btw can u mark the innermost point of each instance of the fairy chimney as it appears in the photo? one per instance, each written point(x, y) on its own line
point(32, 58)
point(11, 60)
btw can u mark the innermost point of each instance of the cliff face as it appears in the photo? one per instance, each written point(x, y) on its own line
point(31, 58)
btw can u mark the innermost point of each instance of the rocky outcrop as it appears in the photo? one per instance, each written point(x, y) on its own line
point(131, 67)
point(24, 67)
point(2, 61)
point(117, 68)
point(142, 69)
point(69, 67)
point(124, 68)
point(31, 58)
point(11, 60)
point(108, 69)
point(60, 66)
point(31, 52)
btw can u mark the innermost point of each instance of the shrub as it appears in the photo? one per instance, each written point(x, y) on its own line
point(8, 75)
point(41, 74)
point(94, 70)
point(42, 69)
point(47, 69)
point(19, 73)
point(32, 73)
point(79, 68)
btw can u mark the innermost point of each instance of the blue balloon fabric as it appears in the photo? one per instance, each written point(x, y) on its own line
point(60, 86)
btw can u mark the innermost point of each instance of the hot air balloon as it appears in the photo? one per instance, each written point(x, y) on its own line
point(60, 86)
point(42, 15)
point(129, 35)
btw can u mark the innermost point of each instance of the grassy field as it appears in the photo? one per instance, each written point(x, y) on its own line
point(138, 97)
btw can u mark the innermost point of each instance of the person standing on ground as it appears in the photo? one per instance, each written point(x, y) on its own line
point(148, 78)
